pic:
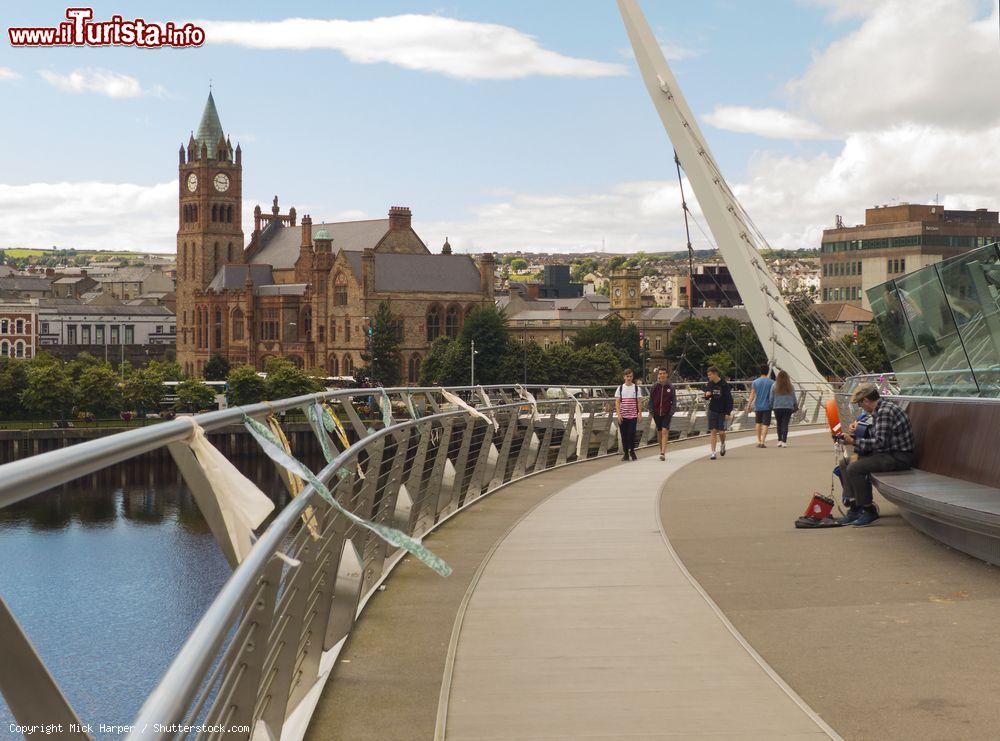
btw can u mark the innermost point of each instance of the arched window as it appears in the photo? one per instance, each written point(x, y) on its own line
point(216, 258)
point(306, 323)
point(333, 366)
point(333, 331)
point(229, 214)
point(194, 212)
point(340, 290)
point(215, 212)
point(237, 325)
point(413, 374)
point(452, 322)
point(229, 252)
point(218, 329)
point(4, 349)
point(348, 365)
point(433, 322)
point(19, 349)
point(4, 326)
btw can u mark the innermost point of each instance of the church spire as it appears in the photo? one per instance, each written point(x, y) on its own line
point(210, 128)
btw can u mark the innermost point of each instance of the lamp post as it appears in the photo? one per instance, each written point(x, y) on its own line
point(472, 377)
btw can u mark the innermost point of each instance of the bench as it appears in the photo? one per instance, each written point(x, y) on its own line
point(962, 514)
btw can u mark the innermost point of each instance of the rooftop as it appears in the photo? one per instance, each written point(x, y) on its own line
point(280, 244)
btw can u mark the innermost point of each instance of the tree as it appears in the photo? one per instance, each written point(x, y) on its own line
point(487, 327)
point(382, 355)
point(523, 361)
point(597, 366)
point(723, 361)
point(285, 380)
point(693, 341)
point(518, 264)
point(169, 370)
point(48, 390)
point(98, 391)
point(13, 380)
point(80, 363)
point(869, 349)
point(143, 391)
point(216, 368)
point(244, 386)
point(432, 368)
point(193, 396)
point(614, 332)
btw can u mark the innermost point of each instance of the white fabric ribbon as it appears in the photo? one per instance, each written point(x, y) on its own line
point(578, 421)
point(528, 397)
point(244, 507)
point(457, 400)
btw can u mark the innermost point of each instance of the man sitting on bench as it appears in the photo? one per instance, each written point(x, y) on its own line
point(887, 447)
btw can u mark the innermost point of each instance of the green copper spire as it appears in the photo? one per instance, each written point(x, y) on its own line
point(209, 130)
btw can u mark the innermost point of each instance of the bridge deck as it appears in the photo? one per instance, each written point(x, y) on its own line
point(584, 625)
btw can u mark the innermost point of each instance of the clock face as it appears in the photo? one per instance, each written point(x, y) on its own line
point(618, 293)
point(192, 182)
point(631, 292)
point(221, 182)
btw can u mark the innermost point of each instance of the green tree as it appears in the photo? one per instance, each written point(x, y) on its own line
point(694, 340)
point(523, 362)
point(285, 380)
point(723, 361)
point(193, 396)
point(48, 390)
point(487, 327)
point(98, 391)
point(80, 363)
point(143, 391)
point(869, 349)
point(600, 365)
point(169, 370)
point(384, 364)
point(433, 367)
point(518, 264)
point(244, 386)
point(615, 332)
point(13, 380)
point(562, 362)
point(216, 368)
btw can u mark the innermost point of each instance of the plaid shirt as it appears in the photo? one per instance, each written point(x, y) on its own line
point(890, 432)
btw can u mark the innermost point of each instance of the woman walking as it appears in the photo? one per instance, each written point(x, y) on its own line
point(784, 404)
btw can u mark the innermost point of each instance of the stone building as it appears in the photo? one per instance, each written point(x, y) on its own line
point(302, 290)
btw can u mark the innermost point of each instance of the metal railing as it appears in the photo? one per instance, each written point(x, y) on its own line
point(259, 656)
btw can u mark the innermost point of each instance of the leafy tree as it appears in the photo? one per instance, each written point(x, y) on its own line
point(693, 341)
point(382, 357)
point(518, 264)
point(487, 327)
point(616, 262)
point(869, 349)
point(143, 391)
point(723, 361)
point(80, 363)
point(216, 368)
point(432, 368)
point(193, 395)
point(13, 380)
point(615, 332)
point(48, 390)
point(98, 391)
point(169, 370)
point(597, 366)
point(523, 362)
point(285, 380)
point(244, 386)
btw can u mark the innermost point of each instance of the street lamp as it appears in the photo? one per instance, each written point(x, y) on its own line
point(474, 352)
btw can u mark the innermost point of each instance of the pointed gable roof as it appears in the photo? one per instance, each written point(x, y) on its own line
point(209, 129)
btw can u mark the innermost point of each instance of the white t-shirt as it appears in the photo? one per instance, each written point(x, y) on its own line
point(629, 403)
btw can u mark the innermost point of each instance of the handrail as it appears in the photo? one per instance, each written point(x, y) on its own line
point(257, 651)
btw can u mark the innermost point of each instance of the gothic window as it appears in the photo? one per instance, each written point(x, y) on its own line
point(216, 258)
point(348, 365)
point(269, 325)
point(433, 322)
point(229, 214)
point(333, 366)
point(322, 332)
point(238, 321)
point(333, 330)
point(229, 252)
point(305, 323)
point(215, 212)
point(194, 212)
point(340, 290)
point(413, 376)
point(218, 329)
point(452, 322)
point(347, 329)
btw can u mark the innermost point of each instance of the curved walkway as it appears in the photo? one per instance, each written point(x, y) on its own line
point(583, 624)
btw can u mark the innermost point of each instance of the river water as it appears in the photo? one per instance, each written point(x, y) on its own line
point(108, 575)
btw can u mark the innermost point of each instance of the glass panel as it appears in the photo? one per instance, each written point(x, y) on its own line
point(933, 326)
point(899, 343)
point(972, 284)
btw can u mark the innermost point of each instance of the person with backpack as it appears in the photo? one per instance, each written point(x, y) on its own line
point(720, 408)
point(661, 406)
point(784, 403)
point(760, 402)
point(628, 408)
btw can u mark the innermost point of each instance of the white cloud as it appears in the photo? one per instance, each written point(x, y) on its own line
point(89, 215)
point(768, 122)
point(6, 73)
point(427, 43)
point(100, 81)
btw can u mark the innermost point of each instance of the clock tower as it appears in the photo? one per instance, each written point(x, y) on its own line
point(210, 232)
point(626, 296)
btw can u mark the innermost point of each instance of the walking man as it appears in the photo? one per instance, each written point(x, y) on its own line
point(760, 402)
point(888, 446)
point(720, 408)
point(661, 406)
point(628, 407)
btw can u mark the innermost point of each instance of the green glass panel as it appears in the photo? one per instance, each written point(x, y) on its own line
point(972, 285)
point(899, 343)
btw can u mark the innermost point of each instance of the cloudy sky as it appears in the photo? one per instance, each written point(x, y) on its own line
point(504, 126)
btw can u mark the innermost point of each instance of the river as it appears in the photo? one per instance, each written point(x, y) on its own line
point(108, 575)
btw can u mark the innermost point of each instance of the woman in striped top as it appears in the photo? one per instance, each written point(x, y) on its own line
point(628, 407)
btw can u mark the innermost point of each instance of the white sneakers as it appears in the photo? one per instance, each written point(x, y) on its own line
point(782, 445)
point(712, 457)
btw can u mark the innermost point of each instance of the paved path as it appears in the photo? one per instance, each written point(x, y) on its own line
point(583, 625)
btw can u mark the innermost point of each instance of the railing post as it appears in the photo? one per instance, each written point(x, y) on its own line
point(528, 452)
point(452, 499)
point(588, 429)
point(481, 473)
point(500, 471)
point(542, 460)
point(567, 445)
point(416, 486)
point(438, 484)
point(390, 493)
point(28, 688)
point(365, 505)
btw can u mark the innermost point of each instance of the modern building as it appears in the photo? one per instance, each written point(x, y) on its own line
point(556, 283)
point(67, 327)
point(895, 240)
point(18, 322)
point(303, 291)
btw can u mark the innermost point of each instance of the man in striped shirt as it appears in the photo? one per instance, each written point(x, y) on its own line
point(628, 407)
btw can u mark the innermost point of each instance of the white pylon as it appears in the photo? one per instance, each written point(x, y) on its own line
point(732, 230)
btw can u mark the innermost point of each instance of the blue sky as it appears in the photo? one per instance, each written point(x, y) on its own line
point(479, 160)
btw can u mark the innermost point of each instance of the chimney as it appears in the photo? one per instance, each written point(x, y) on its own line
point(307, 232)
point(446, 248)
point(486, 266)
point(49, 272)
point(368, 270)
point(399, 218)
point(83, 272)
point(256, 219)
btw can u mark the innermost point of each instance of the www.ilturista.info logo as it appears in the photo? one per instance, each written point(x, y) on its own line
point(81, 30)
